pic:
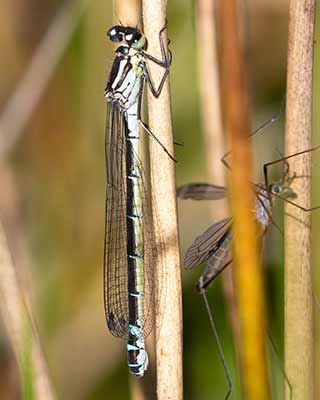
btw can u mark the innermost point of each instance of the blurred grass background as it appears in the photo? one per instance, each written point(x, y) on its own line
point(52, 195)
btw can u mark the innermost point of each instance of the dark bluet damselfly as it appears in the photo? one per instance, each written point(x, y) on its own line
point(130, 251)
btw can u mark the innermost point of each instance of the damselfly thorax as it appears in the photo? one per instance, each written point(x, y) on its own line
point(126, 78)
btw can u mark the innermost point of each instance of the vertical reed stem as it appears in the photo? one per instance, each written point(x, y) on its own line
point(209, 89)
point(298, 274)
point(212, 126)
point(169, 304)
point(248, 272)
point(316, 200)
point(127, 12)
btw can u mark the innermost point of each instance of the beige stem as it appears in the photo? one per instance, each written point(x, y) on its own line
point(169, 312)
point(298, 276)
point(213, 130)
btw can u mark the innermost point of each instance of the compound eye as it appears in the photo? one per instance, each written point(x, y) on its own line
point(275, 189)
point(116, 34)
point(139, 41)
point(130, 37)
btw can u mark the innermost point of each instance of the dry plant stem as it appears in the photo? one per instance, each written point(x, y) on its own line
point(316, 200)
point(209, 89)
point(128, 13)
point(212, 124)
point(248, 272)
point(169, 312)
point(26, 97)
point(19, 324)
point(298, 274)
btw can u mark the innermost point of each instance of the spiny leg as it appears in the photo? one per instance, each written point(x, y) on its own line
point(149, 131)
point(165, 62)
point(146, 127)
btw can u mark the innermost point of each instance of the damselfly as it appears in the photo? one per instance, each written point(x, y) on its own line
point(130, 253)
point(214, 245)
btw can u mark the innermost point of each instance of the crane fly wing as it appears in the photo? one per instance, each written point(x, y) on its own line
point(206, 243)
point(201, 191)
point(217, 262)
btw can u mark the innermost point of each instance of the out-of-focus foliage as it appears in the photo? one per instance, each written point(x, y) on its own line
point(52, 199)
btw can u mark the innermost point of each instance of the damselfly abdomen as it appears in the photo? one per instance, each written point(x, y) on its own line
point(130, 254)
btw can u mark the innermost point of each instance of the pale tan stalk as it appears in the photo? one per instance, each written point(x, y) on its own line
point(316, 200)
point(127, 12)
point(212, 127)
point(169, 310)
point(209, 89)
point(247, 266)
point(298, 272)
point(21, 330)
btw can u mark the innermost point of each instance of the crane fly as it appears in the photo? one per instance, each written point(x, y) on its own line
point(214, 245)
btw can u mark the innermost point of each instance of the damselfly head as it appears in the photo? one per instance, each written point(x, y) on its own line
point(131, 36)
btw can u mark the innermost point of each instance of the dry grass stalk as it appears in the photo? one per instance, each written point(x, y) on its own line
point(316, 200)
point(127, 12)
point(212, 125)
point(248, 272)
point(169, 312)
point(298, 274)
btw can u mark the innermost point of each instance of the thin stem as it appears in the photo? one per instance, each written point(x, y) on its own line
point(248, 271)
point(209, 89)
point(298, 277)
point(169, 304)
point(213, 130)
point(316, 200)
point(128, 13)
